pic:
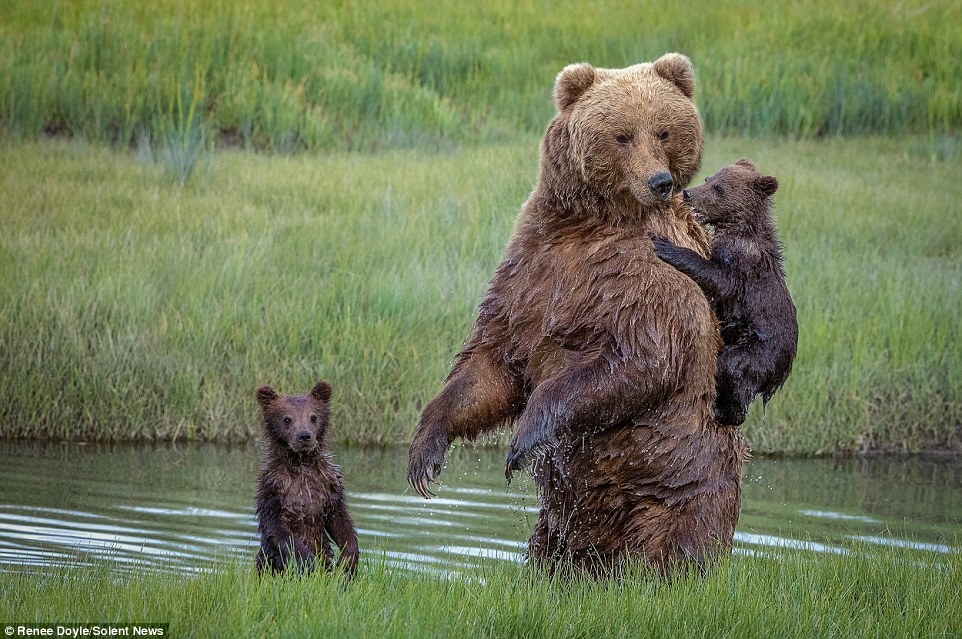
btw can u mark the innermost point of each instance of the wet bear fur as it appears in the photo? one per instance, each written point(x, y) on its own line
point(745, 282)
point(600, 354)
point(301, 506)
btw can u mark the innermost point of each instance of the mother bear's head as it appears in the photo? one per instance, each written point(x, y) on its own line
point(627, 133)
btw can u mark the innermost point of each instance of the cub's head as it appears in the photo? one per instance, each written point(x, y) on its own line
point(296, 422)
point(737, 194)
point(633, 131)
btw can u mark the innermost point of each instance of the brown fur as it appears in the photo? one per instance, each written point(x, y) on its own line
point(745, 283)
point(600, 353)
point(301, 506)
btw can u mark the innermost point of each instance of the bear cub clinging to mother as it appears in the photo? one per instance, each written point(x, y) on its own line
point(301, 507)
point(745, 283)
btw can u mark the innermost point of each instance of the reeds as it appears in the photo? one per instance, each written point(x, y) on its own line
point(281, 76)
point(132, 308)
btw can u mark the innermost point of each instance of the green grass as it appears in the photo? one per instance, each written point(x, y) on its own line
point(282, 75)
point(133, 308)
point(887, 594)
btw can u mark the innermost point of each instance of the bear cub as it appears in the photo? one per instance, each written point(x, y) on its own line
point(745, 282)
point(301, 506)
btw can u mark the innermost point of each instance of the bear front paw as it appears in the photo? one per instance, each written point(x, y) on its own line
point(524, 447)
point(516, 460)
point(424, 466)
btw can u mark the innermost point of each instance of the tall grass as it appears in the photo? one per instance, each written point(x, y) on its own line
point(281, 75)
point(867, 595)
point(131, 308)
point(135, 309)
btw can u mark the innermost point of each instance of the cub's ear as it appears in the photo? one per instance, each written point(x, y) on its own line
point(265, 395)
point(746, 163)
point(766, 185)
point(571, 83)
point(677, 69)
point(321, 391)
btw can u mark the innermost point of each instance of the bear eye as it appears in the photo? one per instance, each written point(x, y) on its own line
point(623, 138)
point(313, 419)
point(287, 421)
point(663, 136)
point(718, 190)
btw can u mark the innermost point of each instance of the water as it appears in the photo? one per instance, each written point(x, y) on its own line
point(187, 507)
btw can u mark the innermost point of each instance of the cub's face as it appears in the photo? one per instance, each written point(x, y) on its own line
point(297, 422)
point(633, 131)
point(735, 195)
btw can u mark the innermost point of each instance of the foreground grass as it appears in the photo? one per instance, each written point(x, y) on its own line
point(282, 75)
point(131, 308)
point(891, 594)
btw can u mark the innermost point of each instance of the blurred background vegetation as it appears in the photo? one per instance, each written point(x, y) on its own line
point(148, 284)
point(283, 75)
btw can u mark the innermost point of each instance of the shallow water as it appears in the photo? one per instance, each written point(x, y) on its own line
point(185, 507)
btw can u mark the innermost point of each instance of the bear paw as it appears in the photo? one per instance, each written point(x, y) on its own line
point(527, 444)
point(663, 247)
point(515, 461)
point(425, 463)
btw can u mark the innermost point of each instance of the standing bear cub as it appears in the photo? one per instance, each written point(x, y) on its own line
point(745, 283)
point(301, 507)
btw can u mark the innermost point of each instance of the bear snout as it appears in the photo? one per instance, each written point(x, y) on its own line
point(661, 184)
point(304, 436)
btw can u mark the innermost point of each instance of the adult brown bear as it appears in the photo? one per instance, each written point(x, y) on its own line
point(602, 354)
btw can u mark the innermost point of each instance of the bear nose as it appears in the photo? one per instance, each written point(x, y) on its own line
point(686, 194)
point(661, 183)
point(304, 436)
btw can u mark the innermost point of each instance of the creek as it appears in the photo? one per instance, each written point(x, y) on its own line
point(186, 507)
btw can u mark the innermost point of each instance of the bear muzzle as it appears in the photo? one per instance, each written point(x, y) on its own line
point(303, 441)
point(696, 211)
point(661, 185)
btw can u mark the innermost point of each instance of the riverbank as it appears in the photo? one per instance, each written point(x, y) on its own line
point(866, 594)
point(132, 308)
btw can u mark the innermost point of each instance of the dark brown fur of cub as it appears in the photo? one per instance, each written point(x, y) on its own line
point(745, 282)
point(301, 506)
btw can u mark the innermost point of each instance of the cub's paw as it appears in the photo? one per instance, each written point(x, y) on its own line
point(663, 246)
point(732, 414)
point(305, 561)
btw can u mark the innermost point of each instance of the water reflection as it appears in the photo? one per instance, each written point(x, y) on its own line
point(185, 507)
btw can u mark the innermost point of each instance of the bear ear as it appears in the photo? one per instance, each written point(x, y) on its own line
point(766, 185)
point(265, 395)
point(746, 163)
point(571, 83)
point(677, 69)
point(321, 391)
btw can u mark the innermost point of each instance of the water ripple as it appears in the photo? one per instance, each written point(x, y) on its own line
point(185, 509)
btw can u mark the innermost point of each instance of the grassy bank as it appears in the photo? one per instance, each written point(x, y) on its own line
point(132, 308)
point(889, 594)
point(282, 75)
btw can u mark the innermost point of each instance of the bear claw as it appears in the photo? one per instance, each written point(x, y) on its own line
point(420, 480)
point(513, 462)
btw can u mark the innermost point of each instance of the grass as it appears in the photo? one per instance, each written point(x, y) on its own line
point(891, 594)
point(132, 308)
point(283, 76)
